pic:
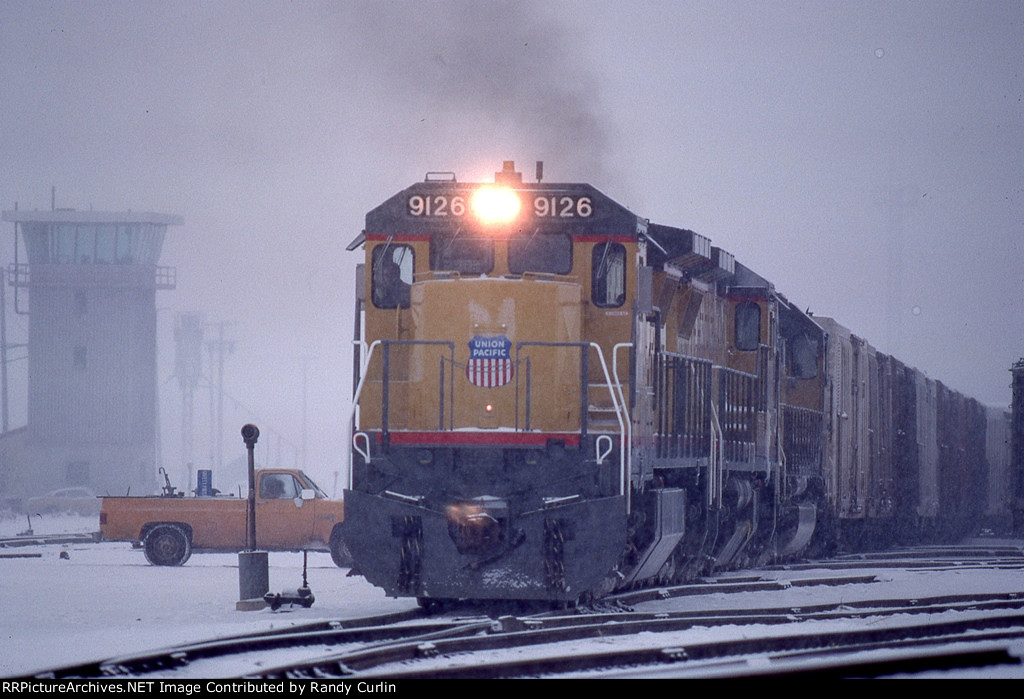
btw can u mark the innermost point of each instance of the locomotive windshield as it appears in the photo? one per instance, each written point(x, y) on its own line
point(549, 253)
point(461, 252)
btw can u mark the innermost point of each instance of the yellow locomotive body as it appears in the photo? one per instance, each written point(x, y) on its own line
point(556, 398)
point(490, 418)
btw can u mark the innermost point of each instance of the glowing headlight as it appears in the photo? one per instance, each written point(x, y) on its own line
point(495, 205)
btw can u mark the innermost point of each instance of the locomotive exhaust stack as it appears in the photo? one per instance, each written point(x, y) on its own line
point(508, 175)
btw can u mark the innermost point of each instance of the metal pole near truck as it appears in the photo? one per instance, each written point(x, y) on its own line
point(253, 568)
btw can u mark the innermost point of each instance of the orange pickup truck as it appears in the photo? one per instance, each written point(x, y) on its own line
point(292, 513)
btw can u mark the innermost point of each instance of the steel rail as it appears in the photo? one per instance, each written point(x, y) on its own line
point(515, 633)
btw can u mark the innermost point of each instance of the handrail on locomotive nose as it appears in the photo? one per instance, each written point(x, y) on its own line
point(625, 412)
point(353, 420)
point(623, 417)
point(363, 373)
point(614, 388)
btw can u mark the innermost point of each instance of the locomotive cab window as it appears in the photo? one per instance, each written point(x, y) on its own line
point(549, 253)
point(458, 252)
point(392, 275)
point(608, 275)
point(747, 325)
point(803, 357)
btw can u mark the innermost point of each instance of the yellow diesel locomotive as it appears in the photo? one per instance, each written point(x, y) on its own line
point(556, 398)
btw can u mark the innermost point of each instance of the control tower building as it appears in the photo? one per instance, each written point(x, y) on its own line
point(88, 282)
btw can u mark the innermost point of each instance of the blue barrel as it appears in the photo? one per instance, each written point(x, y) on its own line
point(204, 486)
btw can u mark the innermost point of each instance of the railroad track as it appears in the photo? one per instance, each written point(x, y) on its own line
point(930, 646)
point(818, 638)
point(926, 557)
point(353, 635)
point(483, 655)
point(202, 658)
point(393, 646)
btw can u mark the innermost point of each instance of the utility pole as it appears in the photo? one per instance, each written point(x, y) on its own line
point(188, 360)
point(1017, 443)
point(218, 348)
point(305, 363)
point(3, 348)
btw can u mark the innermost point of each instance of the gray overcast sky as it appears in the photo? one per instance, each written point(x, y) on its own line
point(867, 157)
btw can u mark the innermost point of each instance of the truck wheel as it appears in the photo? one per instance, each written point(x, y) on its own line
point(167, 545)
point(339, 552)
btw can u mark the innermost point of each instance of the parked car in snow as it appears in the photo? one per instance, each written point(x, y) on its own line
point(77, 499)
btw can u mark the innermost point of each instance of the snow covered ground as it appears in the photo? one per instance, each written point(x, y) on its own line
point(104, 600)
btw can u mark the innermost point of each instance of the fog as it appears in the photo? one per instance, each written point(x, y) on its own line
point(865, 157)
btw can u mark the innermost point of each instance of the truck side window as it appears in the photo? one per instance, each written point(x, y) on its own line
point(748, 325)
point(392, 275)
point(278, 486)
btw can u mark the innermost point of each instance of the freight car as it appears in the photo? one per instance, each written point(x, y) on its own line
point(556, 398)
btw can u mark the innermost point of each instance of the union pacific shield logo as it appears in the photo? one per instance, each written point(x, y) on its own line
point(490, 361)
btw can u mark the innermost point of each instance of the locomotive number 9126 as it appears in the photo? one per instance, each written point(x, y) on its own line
point(722, 441)
point(544, 206)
